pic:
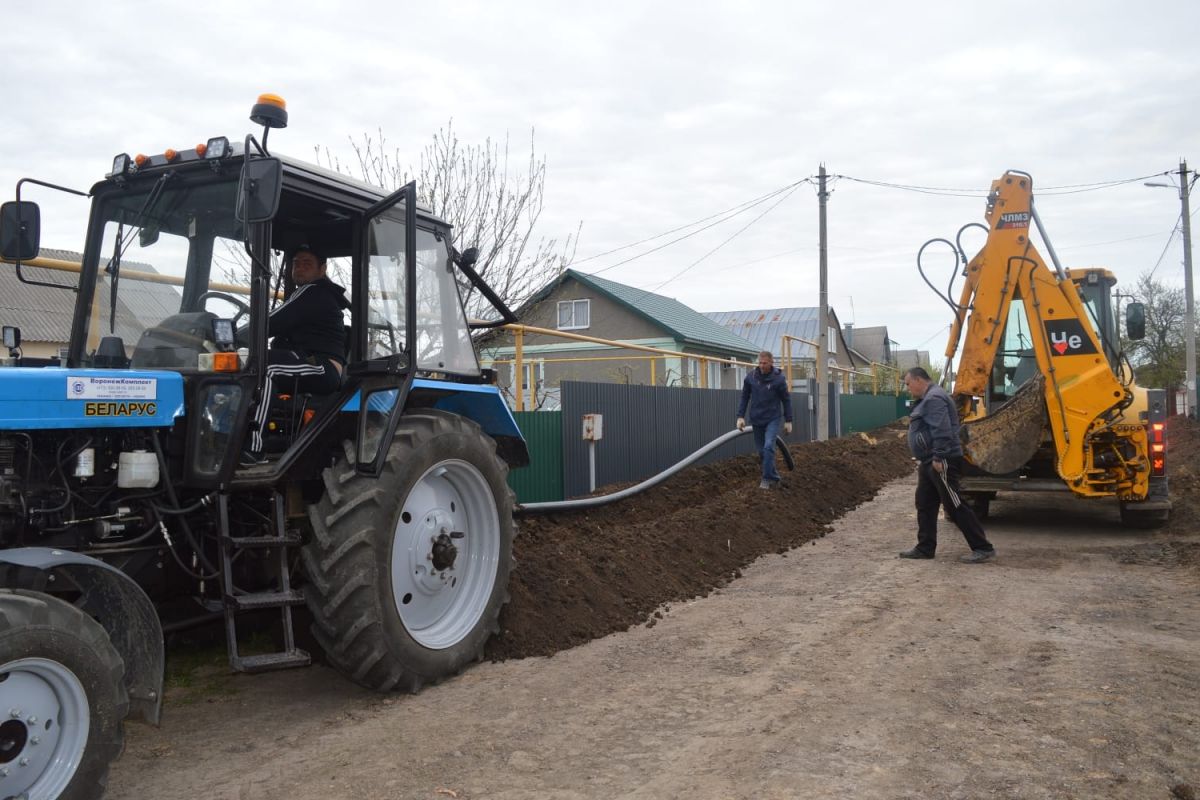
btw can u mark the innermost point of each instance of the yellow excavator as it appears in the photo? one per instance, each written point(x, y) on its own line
point(1046, 395)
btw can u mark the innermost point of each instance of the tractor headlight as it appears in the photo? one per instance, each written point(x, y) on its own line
point(218, 414)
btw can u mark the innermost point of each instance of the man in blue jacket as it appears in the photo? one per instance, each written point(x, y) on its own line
point(933, 440)
point(765, 392)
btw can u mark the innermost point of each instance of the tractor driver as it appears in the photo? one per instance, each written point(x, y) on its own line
point(307, 354)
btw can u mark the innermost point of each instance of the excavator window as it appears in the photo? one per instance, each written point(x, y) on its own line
point(1015, 361)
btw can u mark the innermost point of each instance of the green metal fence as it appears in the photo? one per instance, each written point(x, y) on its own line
point(542, 480)
point(863, 412)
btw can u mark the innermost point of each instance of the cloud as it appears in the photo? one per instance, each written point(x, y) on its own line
point(655, 115)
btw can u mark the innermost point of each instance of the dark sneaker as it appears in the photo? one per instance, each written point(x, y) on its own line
point(915, 553)
point(978, 556)
point(251, 459)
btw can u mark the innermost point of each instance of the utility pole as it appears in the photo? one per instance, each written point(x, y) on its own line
point(823, 318)
point(1189, 320)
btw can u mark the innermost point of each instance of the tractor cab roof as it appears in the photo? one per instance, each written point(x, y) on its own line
point(318, 206)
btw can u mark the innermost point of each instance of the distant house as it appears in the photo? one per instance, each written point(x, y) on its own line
point(906, 359)
point(766, 327)
point(578, 303)
point(871, 343)
point(44, 313)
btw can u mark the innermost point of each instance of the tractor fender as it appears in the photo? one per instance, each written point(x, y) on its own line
point(110, 596)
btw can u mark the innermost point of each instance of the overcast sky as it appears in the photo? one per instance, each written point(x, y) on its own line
point(656, 115)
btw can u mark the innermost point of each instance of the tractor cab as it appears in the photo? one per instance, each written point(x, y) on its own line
point(188, 254)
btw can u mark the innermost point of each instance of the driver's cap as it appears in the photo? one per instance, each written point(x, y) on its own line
point(307, 248)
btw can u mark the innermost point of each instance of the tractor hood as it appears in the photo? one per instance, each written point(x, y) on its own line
point(56, 397)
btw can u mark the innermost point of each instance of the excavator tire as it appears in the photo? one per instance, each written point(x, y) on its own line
point(1134, 517)
point(408, 572)
point(1005, 440)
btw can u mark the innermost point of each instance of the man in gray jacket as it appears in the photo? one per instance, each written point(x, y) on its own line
point(933, 440)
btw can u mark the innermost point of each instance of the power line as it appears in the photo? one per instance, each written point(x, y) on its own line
point(1170, 239)
point(1073, 188)
point(724, 216)
point(730, 239)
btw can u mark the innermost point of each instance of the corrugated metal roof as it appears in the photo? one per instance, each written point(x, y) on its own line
point(686, 324)
point(44, 314)
point(767, 326)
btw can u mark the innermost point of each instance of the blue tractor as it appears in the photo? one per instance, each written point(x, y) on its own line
point(128, 503)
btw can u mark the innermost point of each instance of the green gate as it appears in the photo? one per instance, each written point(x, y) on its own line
point(864, 412)
point(542, 480)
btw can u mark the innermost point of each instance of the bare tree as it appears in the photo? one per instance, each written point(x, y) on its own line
point(1158, 359)
point(491, 205)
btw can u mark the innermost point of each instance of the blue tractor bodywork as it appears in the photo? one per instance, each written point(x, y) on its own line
point(44, 398)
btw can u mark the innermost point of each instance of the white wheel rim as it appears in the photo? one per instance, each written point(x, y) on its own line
point(44, 722)
point(440, 607)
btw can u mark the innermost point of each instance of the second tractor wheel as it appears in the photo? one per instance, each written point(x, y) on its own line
point(408, 572)
point(63, 695)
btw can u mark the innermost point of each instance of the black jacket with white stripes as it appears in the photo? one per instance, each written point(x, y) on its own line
point(310, 321)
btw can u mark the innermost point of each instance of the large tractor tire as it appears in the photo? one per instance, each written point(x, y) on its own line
point(62, 699)
point(408, 573)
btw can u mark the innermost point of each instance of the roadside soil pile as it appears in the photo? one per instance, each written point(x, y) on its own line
point(584, 575)
point(1183, 469)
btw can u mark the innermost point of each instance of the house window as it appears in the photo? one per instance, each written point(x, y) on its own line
point(832, 337)
point(714, 375)
point(574, 314)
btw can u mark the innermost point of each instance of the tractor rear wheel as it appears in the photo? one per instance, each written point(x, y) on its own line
point(63, 699)
point(408, 572)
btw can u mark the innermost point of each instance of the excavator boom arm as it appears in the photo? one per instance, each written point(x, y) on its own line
point(1080, 389)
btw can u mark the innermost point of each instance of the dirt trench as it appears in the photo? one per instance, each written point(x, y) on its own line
point(584, 575)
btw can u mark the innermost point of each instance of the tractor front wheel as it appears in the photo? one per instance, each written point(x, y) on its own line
point(408, 572)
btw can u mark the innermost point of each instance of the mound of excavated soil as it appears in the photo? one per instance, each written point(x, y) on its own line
point(1183, 471)
point(583, 575)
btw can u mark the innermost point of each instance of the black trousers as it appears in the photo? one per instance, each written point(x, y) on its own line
point(936, 490)
point(290, 373)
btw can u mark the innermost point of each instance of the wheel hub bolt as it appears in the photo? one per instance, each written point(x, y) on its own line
point(3, 772)
point(15, 713)
point(33, 720)
point(24, 762)
point(444, 553)
point(34, 740)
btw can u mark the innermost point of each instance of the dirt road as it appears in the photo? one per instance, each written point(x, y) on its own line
point(1068, 668)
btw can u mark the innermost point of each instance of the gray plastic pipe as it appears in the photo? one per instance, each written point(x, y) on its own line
point(603, 500)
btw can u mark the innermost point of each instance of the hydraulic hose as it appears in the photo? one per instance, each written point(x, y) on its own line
point(603, 500)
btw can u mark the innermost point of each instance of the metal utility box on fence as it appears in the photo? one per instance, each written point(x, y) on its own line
point(593, 431)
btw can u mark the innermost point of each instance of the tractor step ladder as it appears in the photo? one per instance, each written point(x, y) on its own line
point(283, 596)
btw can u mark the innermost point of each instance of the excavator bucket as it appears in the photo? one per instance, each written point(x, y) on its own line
point(1006, 439)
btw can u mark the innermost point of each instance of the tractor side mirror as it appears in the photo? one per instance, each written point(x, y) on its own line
point(20, 230)
point(258, 190)
point(1135, 321)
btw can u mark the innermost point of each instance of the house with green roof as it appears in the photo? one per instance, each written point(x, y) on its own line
point(578, 303)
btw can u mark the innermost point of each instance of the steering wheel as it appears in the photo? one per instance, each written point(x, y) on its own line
point(242, 307)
